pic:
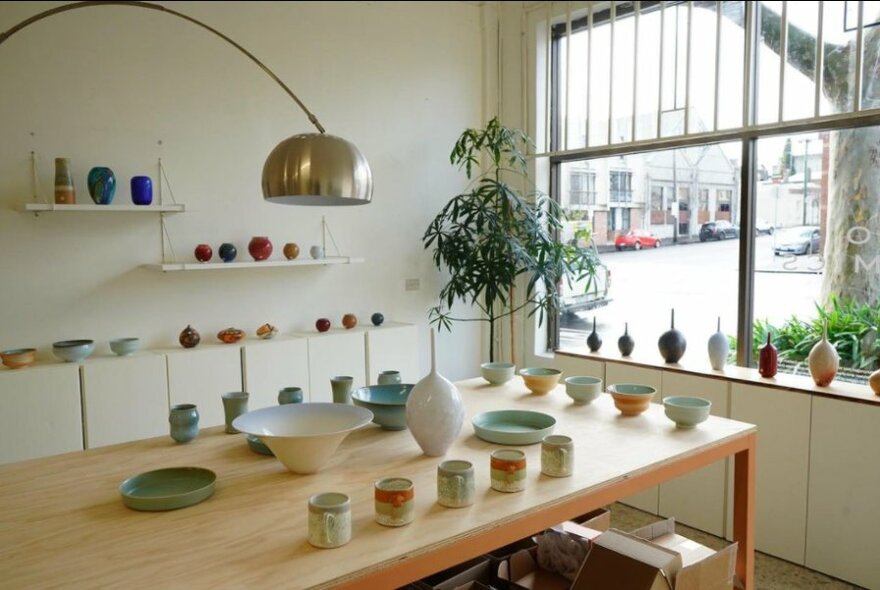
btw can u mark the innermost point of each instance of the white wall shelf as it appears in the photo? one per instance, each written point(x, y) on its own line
point(187, 266)
point(91, 208)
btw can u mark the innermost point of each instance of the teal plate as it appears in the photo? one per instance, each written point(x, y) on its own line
point(258, 446)
point(168, 489)
point(513, 427)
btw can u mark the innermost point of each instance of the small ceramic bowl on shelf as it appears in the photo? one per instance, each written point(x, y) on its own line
point(686, 411)
point(497, 373)
point(631, 399)
point(540, 380)
point(583, 390)
point(125, 346)
point(73, 351)
point(18, 358)
point(387, 402)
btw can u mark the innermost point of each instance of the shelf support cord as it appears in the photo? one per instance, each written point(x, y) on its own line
point(157, 7)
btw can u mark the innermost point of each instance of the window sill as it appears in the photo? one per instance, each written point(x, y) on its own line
point(734, 374)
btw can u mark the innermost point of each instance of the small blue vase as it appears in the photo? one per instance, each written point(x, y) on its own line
point(141, 190)
point(184, 420)
point(102, 185)
point(227, 252)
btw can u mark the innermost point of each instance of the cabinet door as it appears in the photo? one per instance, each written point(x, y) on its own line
point(335, 353)
point(649, 499)
point(272, 365)
point(124, 398)
point(41, 412)
point(393, 347)
point(697, 499)
point(783, 420)
point(201, 375)
point(573, 366)
point(843, 518)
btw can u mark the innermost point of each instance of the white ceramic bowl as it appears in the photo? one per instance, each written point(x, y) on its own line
point(685, 411)
point(583, 390)
point(125, 346)
point(73, 351)
point(303, 436)
point(497, 373)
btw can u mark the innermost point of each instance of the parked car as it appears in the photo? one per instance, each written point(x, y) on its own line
point(718, 230)
point(762, 226)
point(637, 239)
point(590, 292)
point(803, 239)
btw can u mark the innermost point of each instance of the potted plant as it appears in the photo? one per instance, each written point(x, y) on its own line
point(492, 236)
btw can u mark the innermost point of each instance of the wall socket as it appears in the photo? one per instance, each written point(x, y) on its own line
point(413, 284)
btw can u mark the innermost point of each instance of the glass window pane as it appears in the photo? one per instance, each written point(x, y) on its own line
point(800, 69)
point(702, 87)
point(767, 56)
point(648, 84)
point(839, 58)
point(730, 95)
point(622, 78)
point(600, 80)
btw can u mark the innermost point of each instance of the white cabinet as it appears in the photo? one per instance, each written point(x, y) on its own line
point(783, 420)
point(649, 499)
point(698, 498)
point(124, 398)
point(201, 375)
point(41, 412)
point(573, 366)
point(337, 352)
point(843, 518)
point(271, 365)
point(393, 347)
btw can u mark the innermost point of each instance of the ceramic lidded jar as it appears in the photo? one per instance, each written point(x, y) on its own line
point(189, 338)
point(625, 343)
point(824, 360)
point(718, 348)
point(260, 248)
point(434, 410)
point(768, 359)
point(672, 343)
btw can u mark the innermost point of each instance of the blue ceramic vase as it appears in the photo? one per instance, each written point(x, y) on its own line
point(102, 185)
point(141, 190)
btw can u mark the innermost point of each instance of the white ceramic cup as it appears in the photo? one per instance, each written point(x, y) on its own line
point(329, 520)
point(456, 487)
point(557, 455)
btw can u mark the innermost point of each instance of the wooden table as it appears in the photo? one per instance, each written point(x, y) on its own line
point(62, 523)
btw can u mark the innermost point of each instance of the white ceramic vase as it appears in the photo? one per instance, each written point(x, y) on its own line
point(718, 349)
point(434, 410)
point(823, 360)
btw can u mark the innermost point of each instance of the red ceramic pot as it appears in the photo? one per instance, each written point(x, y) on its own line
point(260, 248)
point(203, 253)
point(322, 325)
point(349, 320)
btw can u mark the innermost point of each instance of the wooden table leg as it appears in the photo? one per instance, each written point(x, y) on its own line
point(744, 513)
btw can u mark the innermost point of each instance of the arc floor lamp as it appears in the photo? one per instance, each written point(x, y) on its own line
point(304, 169)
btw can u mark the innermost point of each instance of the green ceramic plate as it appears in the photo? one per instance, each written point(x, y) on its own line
point(168, 489)
point(513, 427)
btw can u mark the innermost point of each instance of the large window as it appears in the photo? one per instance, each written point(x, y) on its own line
point(746, 128)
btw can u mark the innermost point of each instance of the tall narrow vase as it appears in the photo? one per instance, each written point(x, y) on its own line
point(65, 192)
point(594, 341)
point(625, 343)
point(672, 343)
point(434, 410)
point(718, 348)
point(768, 359)
point(824, 360)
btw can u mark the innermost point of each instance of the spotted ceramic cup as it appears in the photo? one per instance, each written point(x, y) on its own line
point(388, 378)
point(557, 455)
point(395, 501)
point(508, 470)
point(329, 520)
point(455, 484)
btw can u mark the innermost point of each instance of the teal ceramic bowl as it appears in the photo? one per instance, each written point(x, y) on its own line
point(583, 390)
point(497, 373)
point(125, 346)
point(387, 402)
point(73, 351)
point(168, 489)
point(513, 427)
point(686, 412)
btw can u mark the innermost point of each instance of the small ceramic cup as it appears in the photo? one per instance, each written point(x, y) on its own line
point(508, 470)
point(395, 501)
point(235, 404)
point(455, 483)
point(557, 455)
point(184, 421)
point(341, 386)
point(290, 395)
point(329, 520)
point(388, 378)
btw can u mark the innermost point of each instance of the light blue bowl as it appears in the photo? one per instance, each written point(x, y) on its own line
point(497, 373)
point(73, 351)
point(125, 346)
point(686, 412)
point(387, 402)
point(583, 390)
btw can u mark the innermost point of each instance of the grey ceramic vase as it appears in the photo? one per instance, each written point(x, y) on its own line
point(625, 343)
point(594, 342)
point(672, 343)
point(718, 349)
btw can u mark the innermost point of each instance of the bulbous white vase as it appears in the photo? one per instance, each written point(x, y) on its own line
point(434, 410)
point(718, 349)
point(824, 360)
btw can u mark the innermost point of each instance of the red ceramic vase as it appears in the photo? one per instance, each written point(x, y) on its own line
point(768, 360)
point(203, 253)
point(260, 248)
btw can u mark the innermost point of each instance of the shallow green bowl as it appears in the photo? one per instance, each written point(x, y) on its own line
point(168, 489)
point(513, 427)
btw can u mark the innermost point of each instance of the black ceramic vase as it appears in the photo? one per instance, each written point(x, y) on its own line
point(625, 343)
point(594, 342)
point(672, 343)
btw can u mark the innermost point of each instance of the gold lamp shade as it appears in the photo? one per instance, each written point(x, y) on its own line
point(317, 169)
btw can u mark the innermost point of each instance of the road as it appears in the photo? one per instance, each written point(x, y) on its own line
point(700, 281)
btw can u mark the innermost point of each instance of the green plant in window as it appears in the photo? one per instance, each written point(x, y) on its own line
point(493, 236)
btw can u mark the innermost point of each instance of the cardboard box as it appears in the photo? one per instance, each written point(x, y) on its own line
point(655, 558)
point(463, 576)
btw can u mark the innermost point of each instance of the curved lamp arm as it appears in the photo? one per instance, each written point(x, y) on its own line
point(76, 5)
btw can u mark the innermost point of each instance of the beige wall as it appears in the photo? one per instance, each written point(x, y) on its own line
point(106, 85)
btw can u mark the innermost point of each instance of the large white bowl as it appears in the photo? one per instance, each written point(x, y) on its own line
point(303, 436)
